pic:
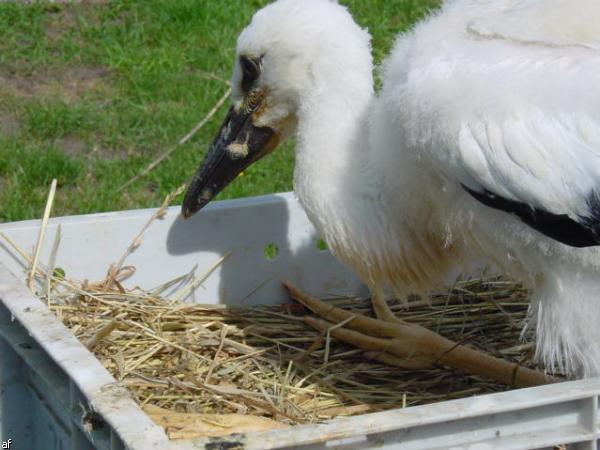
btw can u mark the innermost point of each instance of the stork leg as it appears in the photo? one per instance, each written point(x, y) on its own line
point(405, 344)
point(380, 306)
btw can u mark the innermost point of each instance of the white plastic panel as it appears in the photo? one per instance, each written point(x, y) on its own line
point(173, 246)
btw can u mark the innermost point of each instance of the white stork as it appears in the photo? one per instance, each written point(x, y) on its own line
point(483, 144)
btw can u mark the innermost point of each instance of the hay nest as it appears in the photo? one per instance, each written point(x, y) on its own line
point(212, 370)
point(266, 362)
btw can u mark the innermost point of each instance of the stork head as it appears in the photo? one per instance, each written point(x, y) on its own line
point(290, 49)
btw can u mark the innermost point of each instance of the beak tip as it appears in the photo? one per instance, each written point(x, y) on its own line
point(192, 205)
point(186, 212)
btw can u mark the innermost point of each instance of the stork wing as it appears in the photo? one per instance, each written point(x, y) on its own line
point(552, 23)
point(544, 169)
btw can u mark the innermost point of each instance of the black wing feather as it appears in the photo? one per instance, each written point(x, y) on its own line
point(584, 233)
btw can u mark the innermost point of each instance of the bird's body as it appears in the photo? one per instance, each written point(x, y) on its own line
point(500, 100)
point(483, 145)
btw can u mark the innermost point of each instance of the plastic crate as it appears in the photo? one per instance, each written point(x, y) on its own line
point(54, 394)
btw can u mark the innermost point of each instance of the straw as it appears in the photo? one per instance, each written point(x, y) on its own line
point(150, 167)
point(114, 269)
point(266, 362)
point(42, 232)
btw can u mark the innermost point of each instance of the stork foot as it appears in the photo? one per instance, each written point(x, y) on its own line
point(407, 345)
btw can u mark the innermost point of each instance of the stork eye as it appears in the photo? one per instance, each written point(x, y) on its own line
point(251, 71)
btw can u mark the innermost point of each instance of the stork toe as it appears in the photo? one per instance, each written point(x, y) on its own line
point(394, 352)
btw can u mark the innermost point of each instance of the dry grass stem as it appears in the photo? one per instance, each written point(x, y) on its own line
point(42, 233)
point(150, 167)
point(115, 269)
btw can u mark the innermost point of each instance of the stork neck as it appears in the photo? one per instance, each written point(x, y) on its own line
point(332, 141)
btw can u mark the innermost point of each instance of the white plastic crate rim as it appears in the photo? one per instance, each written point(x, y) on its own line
point(54, 394)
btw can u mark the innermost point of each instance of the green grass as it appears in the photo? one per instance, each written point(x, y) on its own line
point(90, 94)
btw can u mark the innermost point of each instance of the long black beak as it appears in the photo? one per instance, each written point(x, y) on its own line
point(237, 145)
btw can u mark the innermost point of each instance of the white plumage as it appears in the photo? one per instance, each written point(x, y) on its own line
point(497, 97)
point(513, 112)
point(503, 96)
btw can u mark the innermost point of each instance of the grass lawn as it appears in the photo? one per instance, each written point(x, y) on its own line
point(91, 93)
